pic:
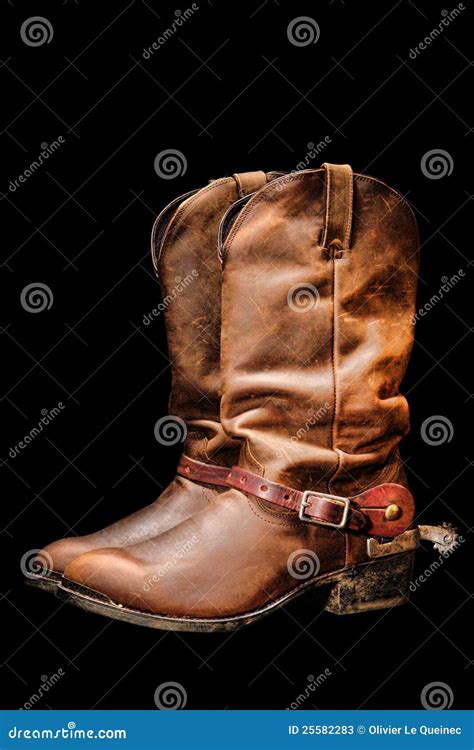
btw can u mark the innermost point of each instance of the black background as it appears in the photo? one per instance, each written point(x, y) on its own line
point(231, 93)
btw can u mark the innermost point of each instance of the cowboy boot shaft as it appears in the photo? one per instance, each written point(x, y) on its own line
point(185, 257)
point(184, 241)
point(319, 285)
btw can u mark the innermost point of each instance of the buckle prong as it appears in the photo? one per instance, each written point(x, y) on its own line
point(334, 498)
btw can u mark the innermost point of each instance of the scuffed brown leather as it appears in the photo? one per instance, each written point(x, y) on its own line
point(193, 316)
point(227, 560)
point(184, 242)
point(315, 394)
point(180, 500)
point(312, 396)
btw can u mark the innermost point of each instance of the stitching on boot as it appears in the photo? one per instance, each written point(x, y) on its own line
point(267, 518)
point(170, 235)
point(334, 375)
point(300, 176)
point(253, 460)
point(347, 233)
point(387, 472)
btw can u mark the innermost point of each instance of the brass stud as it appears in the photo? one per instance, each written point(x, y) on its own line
point(392, 512)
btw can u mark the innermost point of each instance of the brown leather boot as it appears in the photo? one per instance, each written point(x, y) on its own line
point(320, 273)
point(184, 242)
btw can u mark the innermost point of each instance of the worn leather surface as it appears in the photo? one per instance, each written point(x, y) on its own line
point(188, 254)
point(184, 242)
point(221, 562)
point(312, 395)
point(180, 500)
point(315, 392)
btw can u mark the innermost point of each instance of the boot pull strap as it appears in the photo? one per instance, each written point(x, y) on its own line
point(249, 182)
point(338, 202)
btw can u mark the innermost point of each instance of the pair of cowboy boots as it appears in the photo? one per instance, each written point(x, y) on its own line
point(288, 347)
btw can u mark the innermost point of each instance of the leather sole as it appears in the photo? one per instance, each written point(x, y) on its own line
point(374, 585)
point(46, 582)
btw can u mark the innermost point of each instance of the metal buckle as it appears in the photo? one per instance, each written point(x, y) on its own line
point(335, 498)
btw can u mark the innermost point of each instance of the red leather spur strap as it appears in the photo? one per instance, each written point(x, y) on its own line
point(201, 472)
point(385, 510)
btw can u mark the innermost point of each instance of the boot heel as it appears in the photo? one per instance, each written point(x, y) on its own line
point(380, 584)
